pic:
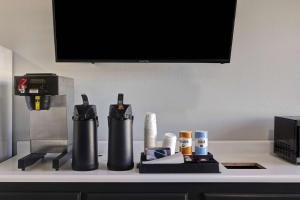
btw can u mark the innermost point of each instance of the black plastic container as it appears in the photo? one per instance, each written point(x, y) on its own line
point(85, 150)
point(120, 143)
point(199, 164)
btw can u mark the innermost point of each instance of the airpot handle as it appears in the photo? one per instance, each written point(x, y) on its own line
point(85, 99)
point(120, 101)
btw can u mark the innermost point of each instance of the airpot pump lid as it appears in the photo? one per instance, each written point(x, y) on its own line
point(85, 111)
point(120, 111)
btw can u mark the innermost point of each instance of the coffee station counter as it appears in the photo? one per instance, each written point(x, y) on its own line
point(276, 170)
point(279, 180)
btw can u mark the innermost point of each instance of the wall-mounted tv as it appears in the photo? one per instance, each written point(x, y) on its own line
point(144, 31)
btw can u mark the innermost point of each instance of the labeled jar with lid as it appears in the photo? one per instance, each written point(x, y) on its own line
point(186, 142)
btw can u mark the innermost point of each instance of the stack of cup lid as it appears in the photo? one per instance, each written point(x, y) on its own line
point(169, 141)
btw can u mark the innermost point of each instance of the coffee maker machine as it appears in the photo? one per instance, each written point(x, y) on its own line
point(49, 99)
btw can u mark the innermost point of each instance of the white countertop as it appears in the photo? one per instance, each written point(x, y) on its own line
point(277, 170)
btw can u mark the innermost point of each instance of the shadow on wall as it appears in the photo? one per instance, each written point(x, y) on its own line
point(158, 86)
point(3, 117)
point(26, 66)
point(168, 90)
point(4, 123)
point(182, 96)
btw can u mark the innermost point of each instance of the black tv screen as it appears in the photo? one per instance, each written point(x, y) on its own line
point(144, 31)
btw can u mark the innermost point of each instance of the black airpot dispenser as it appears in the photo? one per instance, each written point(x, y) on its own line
point(85, 150)
point(120, 141)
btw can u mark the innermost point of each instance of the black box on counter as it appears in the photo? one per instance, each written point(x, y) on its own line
point(198, 164)
point(287, 138)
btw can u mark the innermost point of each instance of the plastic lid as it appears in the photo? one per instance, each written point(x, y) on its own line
point(120, 110)
point(85, 111)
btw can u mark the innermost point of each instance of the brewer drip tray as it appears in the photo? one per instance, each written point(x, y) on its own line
point(33, 158)
point(247, 165)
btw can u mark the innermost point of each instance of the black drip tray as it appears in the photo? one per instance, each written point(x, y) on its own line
point(243, 166)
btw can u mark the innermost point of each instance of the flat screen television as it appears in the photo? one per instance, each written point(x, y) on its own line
point(144, 31)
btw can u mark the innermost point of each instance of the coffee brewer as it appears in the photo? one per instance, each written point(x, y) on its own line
point(49, 99)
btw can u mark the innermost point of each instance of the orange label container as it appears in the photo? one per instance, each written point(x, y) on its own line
point(185, 140)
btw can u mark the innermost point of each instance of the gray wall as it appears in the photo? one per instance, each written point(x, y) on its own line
point(231, 101)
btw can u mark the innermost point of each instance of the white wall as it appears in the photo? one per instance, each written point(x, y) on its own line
point(6, 75)
point(231, 101)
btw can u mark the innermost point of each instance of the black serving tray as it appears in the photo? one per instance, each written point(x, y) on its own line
point(207, 165)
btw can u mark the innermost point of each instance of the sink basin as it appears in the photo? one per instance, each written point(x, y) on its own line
point(234, 165)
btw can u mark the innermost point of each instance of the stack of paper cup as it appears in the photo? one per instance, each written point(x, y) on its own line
point(170, 140)
point(150, 131)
